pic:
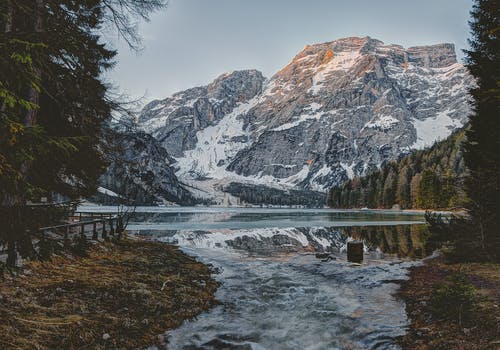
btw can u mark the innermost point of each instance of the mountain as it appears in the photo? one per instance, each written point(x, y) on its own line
point(426, 179)
point(337, 110)
point(139, 172)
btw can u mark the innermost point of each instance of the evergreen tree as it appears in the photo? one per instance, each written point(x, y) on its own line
point(54, 104)
point(428, 190)
point(482, 149)
point(399, 182)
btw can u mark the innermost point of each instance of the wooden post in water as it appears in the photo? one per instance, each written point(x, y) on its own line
point(355, 251)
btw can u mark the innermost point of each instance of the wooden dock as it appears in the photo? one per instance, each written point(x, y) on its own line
point(86, 224)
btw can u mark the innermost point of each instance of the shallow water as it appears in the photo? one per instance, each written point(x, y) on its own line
point(276, 293)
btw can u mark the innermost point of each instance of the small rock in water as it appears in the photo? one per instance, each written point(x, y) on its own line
point(322, 255)
point(105, 336)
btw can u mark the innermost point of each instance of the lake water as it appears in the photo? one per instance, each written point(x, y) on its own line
point(276, 292)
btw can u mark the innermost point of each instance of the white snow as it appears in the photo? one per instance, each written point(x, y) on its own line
point(382, 122)
point(215, 144)
point(297, 120)
point(108, 192)
point(341, 61)
point(349, 169)
point(218, 238)
point(434, 128)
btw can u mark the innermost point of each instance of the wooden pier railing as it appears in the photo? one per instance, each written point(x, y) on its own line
point(87, 224)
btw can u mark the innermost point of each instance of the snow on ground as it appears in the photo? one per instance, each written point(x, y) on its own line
point(434, 128)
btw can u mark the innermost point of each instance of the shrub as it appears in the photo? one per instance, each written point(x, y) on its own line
point(454, 299)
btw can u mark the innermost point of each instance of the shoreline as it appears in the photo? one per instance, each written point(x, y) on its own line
point(121, 295)
point(426, 332)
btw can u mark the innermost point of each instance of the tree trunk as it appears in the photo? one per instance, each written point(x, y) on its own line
point(34, 94)
point(15, 230)
point(7, 29)
point(9, 17)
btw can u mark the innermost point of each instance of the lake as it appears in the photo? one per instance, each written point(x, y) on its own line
point(276, 292)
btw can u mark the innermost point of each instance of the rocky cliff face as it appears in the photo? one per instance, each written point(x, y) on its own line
point(337, 110)
point(140, 172)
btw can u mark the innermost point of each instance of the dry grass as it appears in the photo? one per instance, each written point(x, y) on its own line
point(426, 332)
point(132, 291)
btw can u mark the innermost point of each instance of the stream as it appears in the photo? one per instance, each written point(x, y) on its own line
point(285, 280)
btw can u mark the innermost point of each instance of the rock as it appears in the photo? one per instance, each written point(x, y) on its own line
point(106, 336)
point(141, 170)
point(322, 255)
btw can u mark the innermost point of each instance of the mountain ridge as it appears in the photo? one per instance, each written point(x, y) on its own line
point(337, 110)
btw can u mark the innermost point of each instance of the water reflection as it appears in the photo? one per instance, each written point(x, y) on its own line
point(413, 241)
point(402, 241)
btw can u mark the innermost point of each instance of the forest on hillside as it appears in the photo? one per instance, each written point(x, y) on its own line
point(425, 179)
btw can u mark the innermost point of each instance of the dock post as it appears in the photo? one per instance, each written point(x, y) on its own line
point(104, 233)
point(111, 227)
point(94, 231)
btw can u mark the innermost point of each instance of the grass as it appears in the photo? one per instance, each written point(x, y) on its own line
point(121, 296)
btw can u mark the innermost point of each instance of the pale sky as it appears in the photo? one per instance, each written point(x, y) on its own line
point(193, 41)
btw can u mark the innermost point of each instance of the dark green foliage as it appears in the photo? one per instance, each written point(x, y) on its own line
point(54, 103)
point(482, 149)
point(454, 299)
point(260, 194)
point(430, 178)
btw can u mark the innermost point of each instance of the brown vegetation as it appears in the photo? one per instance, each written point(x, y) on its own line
point(427, 331)
point(122, 295)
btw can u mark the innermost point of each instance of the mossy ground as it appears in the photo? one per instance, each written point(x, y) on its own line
point(122, 295)
point(427, 331)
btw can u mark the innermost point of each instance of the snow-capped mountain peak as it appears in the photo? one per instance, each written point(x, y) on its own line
point(337, 110)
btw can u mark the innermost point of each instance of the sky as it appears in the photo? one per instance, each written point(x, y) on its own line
point(191, 42)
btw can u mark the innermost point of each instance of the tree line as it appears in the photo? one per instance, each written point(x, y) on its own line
point(426, 179)
point(463, 171)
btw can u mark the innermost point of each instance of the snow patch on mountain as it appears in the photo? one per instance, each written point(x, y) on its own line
point(434, 129)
